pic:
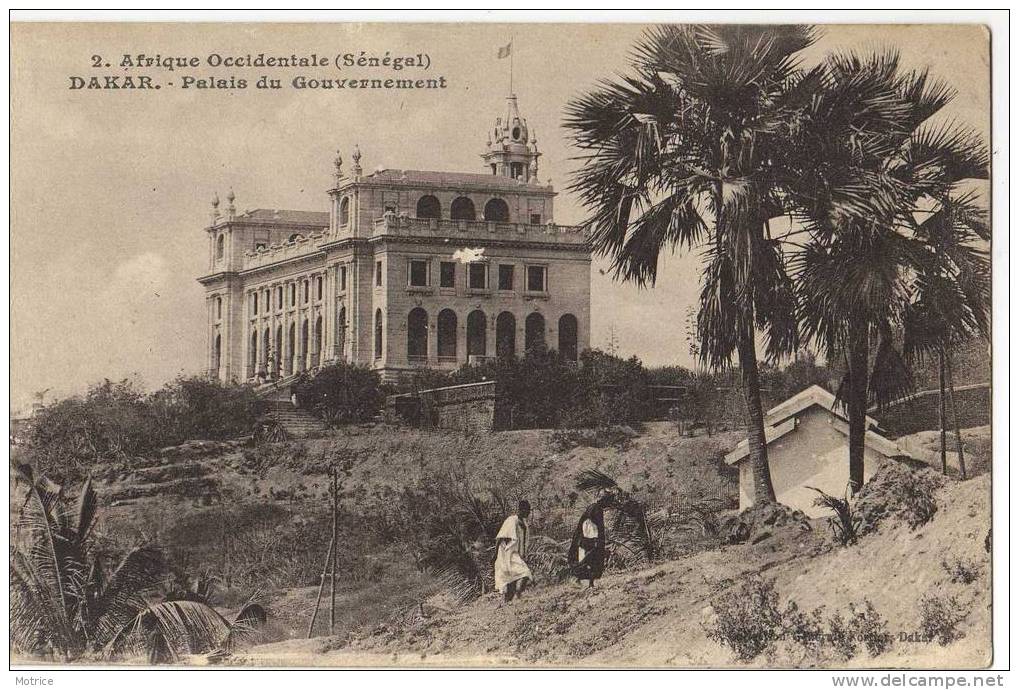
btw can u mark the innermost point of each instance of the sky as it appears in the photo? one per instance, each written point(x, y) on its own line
point(111, 190)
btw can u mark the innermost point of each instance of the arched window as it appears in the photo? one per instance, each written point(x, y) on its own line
point(277, 352)
point(534, 332)
point(506, 335)
point(216, 351)
point(345, 211)
point(568, 337)
point(476, 337)
point(263, 362)
point(462, 209)
point(302, 357)
point(220, 247)
point(341, 326)
point(417, 334)
point(447, 334)
point(429, 207)
point(497, 210)
point(252, 354)
point(288, 361)
point(316, 348)
point(378, 334)
point(296, 236)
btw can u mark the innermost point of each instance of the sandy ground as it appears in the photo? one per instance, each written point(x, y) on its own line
point(657, 616)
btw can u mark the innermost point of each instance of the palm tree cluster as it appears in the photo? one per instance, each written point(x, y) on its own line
point(824, 202)
point(69, 600)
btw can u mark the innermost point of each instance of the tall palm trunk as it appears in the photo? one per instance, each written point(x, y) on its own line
point(941, 410)
point(859, 353)
point(764, 491)
point(955, 417)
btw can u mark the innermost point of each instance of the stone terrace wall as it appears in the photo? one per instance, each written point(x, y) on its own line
point(469, 407)
point(920, 412)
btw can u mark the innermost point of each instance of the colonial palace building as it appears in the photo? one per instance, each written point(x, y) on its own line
point(408, 269)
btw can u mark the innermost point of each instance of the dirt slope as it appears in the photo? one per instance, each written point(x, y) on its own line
point(657, 616)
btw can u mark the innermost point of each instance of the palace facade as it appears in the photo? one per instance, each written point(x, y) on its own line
point(408, 269)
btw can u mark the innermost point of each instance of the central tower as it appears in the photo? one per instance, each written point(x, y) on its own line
point(512, 149)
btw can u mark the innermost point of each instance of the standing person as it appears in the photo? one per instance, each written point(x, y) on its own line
point(511, 572)
point(586, 557)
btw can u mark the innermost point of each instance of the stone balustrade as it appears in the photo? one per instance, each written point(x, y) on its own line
point(403, 226)
point(274, 253)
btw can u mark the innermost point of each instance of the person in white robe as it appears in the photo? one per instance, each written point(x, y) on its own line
point(511, 572)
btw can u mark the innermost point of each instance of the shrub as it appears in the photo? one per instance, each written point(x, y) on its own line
point(748, 619)
point(940, 617)
point(601, 437)
point(864, 625)
point(342, 393)
point(115, 419)
point(961, 571)
point(919, 505)
point(844, 524)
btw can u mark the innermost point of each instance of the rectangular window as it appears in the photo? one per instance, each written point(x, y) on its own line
point(254, 303)
point(535, 219)
point(318, 287)
point(418, 273)
point(447, 274)
point(378, 273)
point(477, 276)
point(343, 277)
point(293, 294)
point(506, 277)
point(536, 279)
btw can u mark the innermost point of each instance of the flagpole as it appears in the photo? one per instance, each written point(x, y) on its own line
point(511, 64)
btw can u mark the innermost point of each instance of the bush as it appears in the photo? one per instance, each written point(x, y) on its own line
point(603, 437)
point(116, 419)
point(898, 489)
point(749, 621)
point(940, 618)
point(961, 571)
point(342, 393)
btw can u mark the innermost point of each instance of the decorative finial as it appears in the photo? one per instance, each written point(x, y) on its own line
point(356, 157)
point(231, 210)
point(215, 207)
point(338, 164)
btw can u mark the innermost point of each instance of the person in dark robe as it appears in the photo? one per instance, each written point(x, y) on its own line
point(586, 557)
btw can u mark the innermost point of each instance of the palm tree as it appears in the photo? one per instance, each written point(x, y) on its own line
point(861, 187)
point(952, 289)
point(66, 602)
point(680, 156)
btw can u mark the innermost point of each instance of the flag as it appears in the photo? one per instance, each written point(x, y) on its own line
point(504, 51)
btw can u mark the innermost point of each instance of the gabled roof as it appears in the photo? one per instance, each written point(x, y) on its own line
point(814, 395)
point(782, 419)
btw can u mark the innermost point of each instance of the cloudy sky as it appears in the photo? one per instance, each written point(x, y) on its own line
point(111, 189)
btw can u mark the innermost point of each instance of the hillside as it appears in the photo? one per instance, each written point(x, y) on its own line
point(657, 616)
point(256, 518)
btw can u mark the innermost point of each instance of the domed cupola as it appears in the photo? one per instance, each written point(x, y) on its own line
point(512, 150)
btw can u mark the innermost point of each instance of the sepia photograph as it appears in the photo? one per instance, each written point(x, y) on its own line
point(504, 345)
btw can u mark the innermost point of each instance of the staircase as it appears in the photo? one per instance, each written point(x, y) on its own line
point(296, 421)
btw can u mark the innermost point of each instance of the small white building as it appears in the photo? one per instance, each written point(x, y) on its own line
point(808, 446)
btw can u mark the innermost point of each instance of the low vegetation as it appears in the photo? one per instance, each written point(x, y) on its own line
point(69, 600)
point(940, 617)
point(116, 419)
point(750, 620)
